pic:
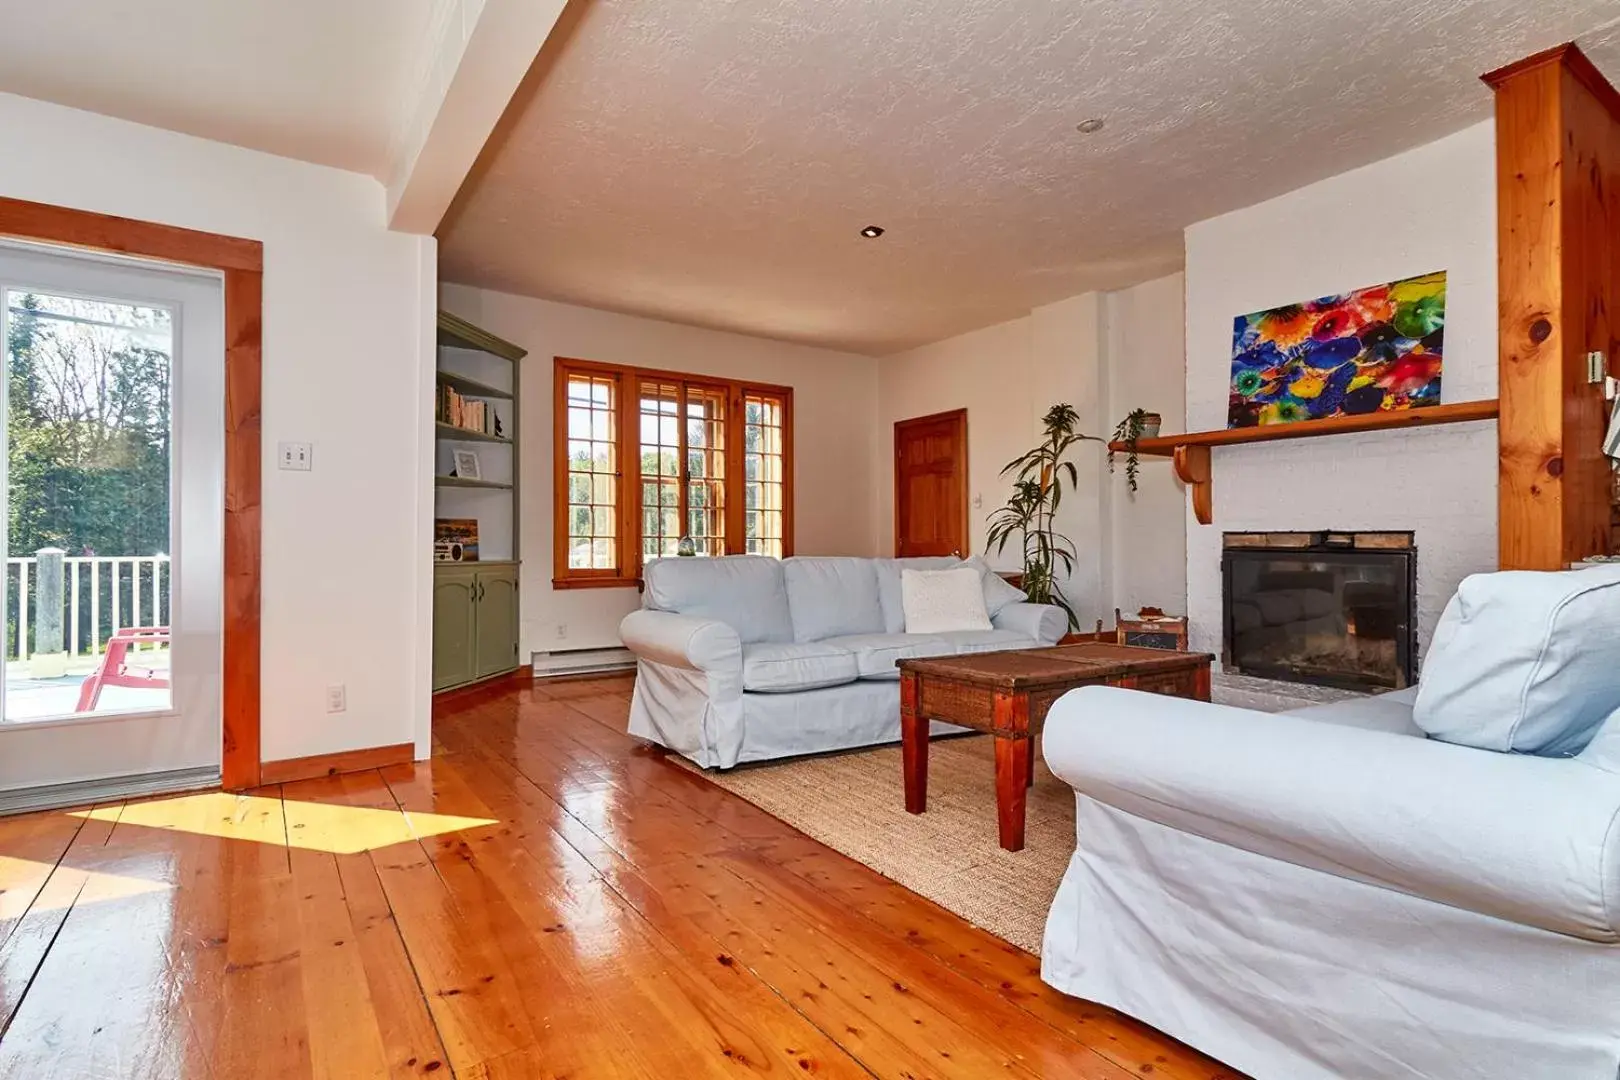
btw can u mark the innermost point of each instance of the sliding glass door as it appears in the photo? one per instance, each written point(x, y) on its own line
point(114, 470)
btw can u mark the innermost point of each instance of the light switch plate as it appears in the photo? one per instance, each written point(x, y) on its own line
point(295, 456)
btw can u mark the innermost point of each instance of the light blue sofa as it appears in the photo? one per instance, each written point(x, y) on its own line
point(747, 658)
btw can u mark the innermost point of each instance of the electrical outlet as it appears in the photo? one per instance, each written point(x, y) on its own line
point(337, 699)
point(295, 456)
point(562, 631)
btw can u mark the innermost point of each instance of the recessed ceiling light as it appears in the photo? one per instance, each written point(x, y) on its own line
point(1090, 127)
point(872, 232)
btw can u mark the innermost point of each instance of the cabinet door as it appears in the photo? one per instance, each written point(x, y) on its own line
point(497, 637)
point(454, 628)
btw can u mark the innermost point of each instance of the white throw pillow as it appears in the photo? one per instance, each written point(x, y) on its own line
point(940, 601)
point(1525, 661)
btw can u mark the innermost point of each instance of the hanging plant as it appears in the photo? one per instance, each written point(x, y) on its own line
point(1137, 424)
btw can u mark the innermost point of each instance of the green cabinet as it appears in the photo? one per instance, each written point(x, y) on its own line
point(475, 622)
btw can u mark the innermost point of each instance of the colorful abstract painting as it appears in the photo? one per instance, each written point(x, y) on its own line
point(1360, 352)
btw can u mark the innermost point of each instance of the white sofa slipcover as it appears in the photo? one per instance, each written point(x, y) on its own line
point(1328, 894)
point(746, 658)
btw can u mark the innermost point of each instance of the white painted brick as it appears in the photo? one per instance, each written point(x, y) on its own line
point(1432, 208)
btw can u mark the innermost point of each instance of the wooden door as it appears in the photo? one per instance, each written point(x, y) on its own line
point(497, 617)
point(454, 604)
point(931, 485)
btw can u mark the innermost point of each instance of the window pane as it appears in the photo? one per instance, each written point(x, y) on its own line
point(592, 486)
point(90, 441)
point(764, 467)
point(682, 437)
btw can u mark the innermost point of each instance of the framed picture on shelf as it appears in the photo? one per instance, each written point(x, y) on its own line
point(466, 462)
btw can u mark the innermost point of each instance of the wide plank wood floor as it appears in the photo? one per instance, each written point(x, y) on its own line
point(545, 899)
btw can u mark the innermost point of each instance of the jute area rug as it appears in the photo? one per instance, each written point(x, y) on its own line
point(855, 803)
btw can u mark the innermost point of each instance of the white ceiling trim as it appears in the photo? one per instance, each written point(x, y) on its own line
point(480, 51)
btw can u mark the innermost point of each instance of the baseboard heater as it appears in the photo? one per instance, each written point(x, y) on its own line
point(557, 665)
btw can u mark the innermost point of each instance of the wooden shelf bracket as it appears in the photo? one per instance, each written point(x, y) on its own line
point(1192, 466)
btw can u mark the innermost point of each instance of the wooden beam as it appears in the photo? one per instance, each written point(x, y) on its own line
point(1558, 210)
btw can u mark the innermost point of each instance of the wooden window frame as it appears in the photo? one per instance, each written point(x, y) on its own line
point(241, 262)
point(627, 408)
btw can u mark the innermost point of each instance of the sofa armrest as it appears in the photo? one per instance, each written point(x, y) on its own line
point(682, 641)
point(1527, 839)
point(1046, 623)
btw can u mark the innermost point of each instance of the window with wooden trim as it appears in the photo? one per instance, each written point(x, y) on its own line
point(588, 456)
point(764, 473)
point(646, 459)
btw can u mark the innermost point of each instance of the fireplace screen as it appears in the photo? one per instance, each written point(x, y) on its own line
point(1325, 612)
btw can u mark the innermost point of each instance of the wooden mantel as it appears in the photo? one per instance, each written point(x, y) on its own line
point(1191, 451)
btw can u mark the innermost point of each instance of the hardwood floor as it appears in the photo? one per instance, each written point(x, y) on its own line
point(546, 898)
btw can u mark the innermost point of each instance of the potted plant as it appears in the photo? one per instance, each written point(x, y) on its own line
point(1039, 476)
point(1137, 424)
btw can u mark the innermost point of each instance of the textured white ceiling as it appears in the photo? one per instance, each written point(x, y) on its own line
point(327, 81)
point(711, 161)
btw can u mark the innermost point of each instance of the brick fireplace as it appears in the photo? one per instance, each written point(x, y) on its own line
point(1327, 608)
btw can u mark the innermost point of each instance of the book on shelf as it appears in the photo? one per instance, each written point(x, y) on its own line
point(469, 414)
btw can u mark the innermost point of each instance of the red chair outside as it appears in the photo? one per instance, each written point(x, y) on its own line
point(116, 670)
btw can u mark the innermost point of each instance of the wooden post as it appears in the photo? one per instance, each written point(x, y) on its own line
point(1558, 206)
point(49, 660)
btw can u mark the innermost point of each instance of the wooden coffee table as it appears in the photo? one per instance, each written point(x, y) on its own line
point(1007, 694)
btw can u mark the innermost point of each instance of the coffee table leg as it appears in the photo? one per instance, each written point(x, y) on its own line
point(913, 745)
point(1012, 774)
point(1029, 781)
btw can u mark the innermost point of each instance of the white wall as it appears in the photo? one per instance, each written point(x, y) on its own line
point(1432, 208)
point(834, 408)
point(1147, 351)
point(347, 367)
point(985, 371)
point(1103, 353)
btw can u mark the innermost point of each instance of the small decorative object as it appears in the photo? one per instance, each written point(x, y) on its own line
point(495, 420)
point(466, 462)
point(1137, 424)
point(455, 539)
point(1152, 629)
point(1374, 349)
point(1031, 510)
point(686, 547)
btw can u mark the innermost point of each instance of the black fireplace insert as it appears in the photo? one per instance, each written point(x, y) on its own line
point(1332, 609)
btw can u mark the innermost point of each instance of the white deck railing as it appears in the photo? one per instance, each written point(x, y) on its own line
point(99, 594)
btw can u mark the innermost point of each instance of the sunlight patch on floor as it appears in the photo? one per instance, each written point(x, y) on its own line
point(21, 890)
point(308, 826)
